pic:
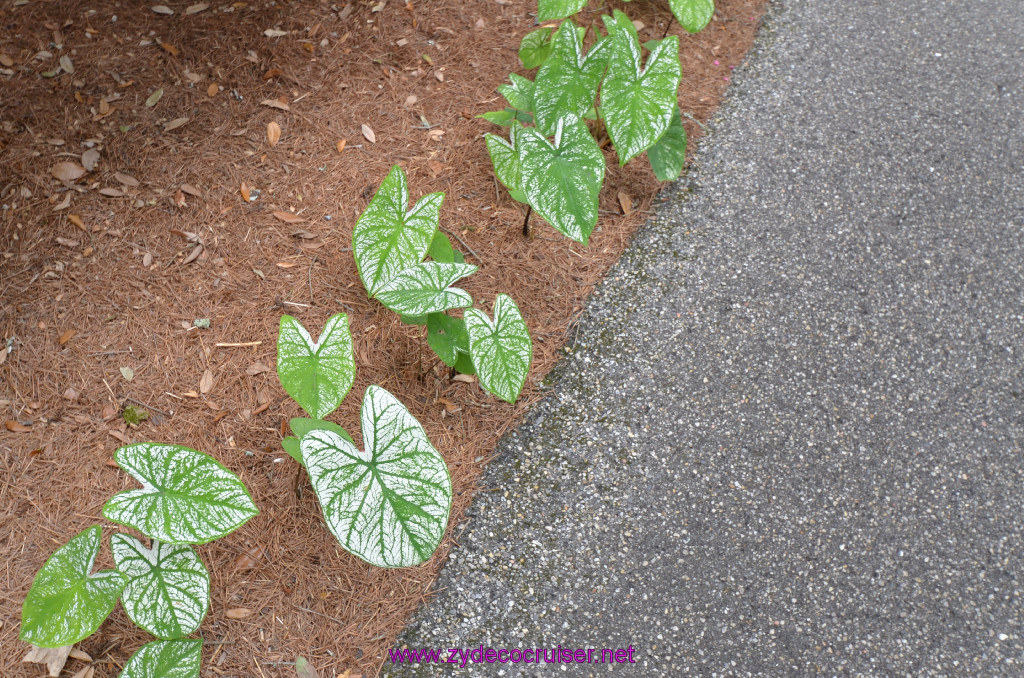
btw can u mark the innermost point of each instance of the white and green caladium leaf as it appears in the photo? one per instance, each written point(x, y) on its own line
point(501, 350)
point(447, 337)
point(316, 374)
point(386, 239)
point(425, 288)
point(535, 47)
point(165, 659)
point(506, 164)
point(550, 10)
point(693, 15)
point(66, 603)
point(638, 104)
point(388, 505)
point(187, 497)
point(619, 21)
point(668, 154)
point(520, 94)
point(168, 587)
point(562, 180)
point(567, 82)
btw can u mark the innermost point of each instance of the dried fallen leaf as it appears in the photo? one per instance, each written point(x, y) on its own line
point(277, 103)
point(71, 394)
point(272, 73)
point(6, 60)
point(162, 9)
point(168, 47)
point(179, 199)
point(86, 672)
point(192, 190)
point(16, 427)
point(273, 133)
point(90, 158)
point(147, 259)
point(119, 436)
point(341, 145)
point(368, 133)
point(304, 235)
point(288, 217)
point(108, 412)
point(244, 190)
point(111, 192)
point(410, 100)
point(212, 89)
point(174, 124)
point(80, 655)
point(55, 142)
point(249, 559)
point(77, 221)
point(65, 63)
point(63, 204)
point(67, 336)
point(625, 202)
point(238, 613)
point(68, 171)
point(435, 134)
point(193, 255)
point(274, 33)
point(126, 179)
point(53, 657)
point(303, 668)
point(206, 382)
point(196, 9)
point(154, 97)
point(66, 242)
point(128, 373)
point(467, 378)
point(256, 368)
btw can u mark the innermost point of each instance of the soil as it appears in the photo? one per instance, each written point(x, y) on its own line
point(99, 294)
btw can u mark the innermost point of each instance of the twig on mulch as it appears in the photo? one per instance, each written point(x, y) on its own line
point(463, 243)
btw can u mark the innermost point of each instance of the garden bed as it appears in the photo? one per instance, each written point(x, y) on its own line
point(100, 295)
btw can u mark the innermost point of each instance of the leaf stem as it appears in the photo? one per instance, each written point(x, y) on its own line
point(670, 21)
point(527, 231)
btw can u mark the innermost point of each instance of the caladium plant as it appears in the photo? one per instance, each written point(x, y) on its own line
point(693, 15)
point(187, 498)
point(422, 292)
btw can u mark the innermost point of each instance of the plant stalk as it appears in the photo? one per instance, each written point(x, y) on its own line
point(527, 231)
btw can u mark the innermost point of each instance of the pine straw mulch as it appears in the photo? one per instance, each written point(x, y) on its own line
point(105, 283)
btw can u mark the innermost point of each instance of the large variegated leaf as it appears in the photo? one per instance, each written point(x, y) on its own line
point(425, 288)
point(562, 180)
point(66, 603)
point(187, 497)
point(619, 21)
point(165, 659)
point(386, 239)
point(506, 164)
point(668, 154)
point(551, 10)
point(520, 94)
point(501, 350)
point(168, 587)
point(567, 81)
point(693, 15)
point(389, 504)
point(638, 104)
point(535, 47)
point(316, 374)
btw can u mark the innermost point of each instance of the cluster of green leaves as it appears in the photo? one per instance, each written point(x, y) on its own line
point(389, 244)
point(387, 504)
point(693, 15)
point(551, 161)
point(186, 498)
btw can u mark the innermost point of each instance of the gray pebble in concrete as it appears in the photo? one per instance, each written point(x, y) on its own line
point(787, 441)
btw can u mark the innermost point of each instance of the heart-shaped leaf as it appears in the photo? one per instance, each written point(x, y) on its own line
point(562, 180)
point(424, 288)
point(316, 374)
point(567, 82)
point(501, 350)
point(441, 249)
point(668, 154)
point(165, 659)
point(66, 603)
point(386, 239)
point(638, 104)
point(535, 47)
point(619, 21)
point(187, 497)
point(168, 587)
point(447, 337)
point(693, 15)
point(550, 10)
point(388, 505)
point(519, 94)
point(506, 164)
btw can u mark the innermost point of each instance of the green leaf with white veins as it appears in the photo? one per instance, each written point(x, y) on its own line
point(168, 587)
point(386, 239)
point(535, 47)
point(550, 10)
point(66, 603)
point(638, 104)
point(501, 350)
point(693, 15)
point(562, 180)
point(389, 504)
point(567, 82)
point(424, 288)
point(520, 94)
point(187, 497)
point(668, 154)
point(316, 374)
point(506, 164)
point(447, 337)
point(165, 659)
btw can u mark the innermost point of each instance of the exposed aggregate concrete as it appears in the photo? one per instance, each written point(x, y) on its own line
point(787, 440)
